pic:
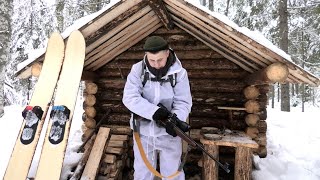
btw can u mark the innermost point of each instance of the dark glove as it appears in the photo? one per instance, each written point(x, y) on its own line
point(160, 115)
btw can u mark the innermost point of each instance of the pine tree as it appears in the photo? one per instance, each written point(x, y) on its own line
point(5, 36)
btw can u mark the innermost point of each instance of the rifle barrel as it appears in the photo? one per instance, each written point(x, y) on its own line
point(190, 141)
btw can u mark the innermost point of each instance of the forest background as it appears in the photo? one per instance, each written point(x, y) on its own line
point(292, 25)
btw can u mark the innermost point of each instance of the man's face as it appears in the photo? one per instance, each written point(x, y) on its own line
point(159, 59)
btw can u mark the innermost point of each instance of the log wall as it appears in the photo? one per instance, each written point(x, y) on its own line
point(215, 81)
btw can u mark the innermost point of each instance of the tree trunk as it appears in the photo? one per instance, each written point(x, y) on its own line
point(211, 5)
point(59, 14)
point(303, 94)
point(203, 2)
point(272, 96)
point(227, 8)
point(5, 37)
point(283, 31)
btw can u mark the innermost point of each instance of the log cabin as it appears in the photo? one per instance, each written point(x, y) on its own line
point(229, 71)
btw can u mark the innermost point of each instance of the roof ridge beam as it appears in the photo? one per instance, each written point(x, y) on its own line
point(161, 11)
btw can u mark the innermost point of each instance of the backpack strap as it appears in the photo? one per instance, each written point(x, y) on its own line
point(172, 78)
point(144, 74)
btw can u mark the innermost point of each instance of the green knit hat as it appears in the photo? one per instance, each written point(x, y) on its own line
point(155, 44)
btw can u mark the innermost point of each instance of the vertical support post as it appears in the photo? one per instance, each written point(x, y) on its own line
point(243, 163)
point(210, 167)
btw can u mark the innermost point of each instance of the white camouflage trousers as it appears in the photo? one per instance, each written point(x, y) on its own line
point(170, 150)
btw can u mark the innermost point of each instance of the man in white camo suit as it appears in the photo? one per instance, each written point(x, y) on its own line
point(167, 83)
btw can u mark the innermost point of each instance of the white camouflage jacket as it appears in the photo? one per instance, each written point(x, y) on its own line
point(143, 100)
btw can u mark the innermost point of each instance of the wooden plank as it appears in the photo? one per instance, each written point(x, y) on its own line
point(91, 169)
point(124, 43)
point(119, 138)
point(235, 139)
point(125, 130)
point(199, 35)
point(243, 163)
point(123, 47)
point(122, 35)
point(210, 168)
point(162, 13)
point(118, 144)
point(243, 39)
point(232, 108)
point(116, 30)
point(114, 150)
point(100, 21)
point(82, 162)
point(220, 37)
point(109, 158)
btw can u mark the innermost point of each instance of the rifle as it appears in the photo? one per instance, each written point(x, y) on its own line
point(179, 127)
point(95, 130)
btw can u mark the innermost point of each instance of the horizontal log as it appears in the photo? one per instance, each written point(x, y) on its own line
point(218, 63)
point(179, 41)
point(216, 85)
point(182, 55)
point(36, 69)
point(252, 119)
point(91, 38)
point(118, 144)
point(116, 119)
point(252, 132)
point(125, 130)
point(209, 98)
point(90, 88)
point(111, 84)
point(251, 92)
point(114, 150)
point(203, 85)
point(90, 123)
point(192, 73)
point(109, 158)
point(199, 110)
point(115, 106)
point(119, 137)
point(199, 122)
point(276, 72)
point(262, 126)
point(262, 114)
point(252, 106)
point(89, 100)
point(213, 112)
point(90, 111)
point(262, 151)
point(261, 139)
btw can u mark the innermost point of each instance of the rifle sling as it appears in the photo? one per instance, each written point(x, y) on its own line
point(145, 159)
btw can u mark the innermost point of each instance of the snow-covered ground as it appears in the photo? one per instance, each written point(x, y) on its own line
point(293, 144)
point(11, 124)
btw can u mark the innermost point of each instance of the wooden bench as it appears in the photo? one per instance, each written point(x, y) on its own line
point(243, 155)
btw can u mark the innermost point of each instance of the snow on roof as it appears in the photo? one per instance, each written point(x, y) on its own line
point(255, 35)
point(76, 25)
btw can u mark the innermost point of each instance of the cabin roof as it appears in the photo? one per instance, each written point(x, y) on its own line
point(115, 29)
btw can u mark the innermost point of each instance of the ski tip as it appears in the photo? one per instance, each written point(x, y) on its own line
point(76, 37)
point(76, 33)
point(55, 35)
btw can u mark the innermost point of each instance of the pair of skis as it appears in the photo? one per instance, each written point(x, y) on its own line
point(65, 64)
